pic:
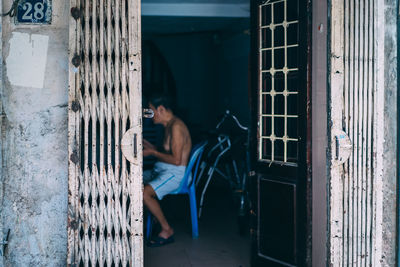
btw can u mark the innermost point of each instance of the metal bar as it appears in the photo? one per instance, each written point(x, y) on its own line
point(72, 257)
point(352, 135)
point(278, 24)
point(370, 88)
point(135, 107)
point(377, 119)
point(124, 117)
point(279, 116)
point(86, 137)
point(281, 93)
point(110, 208)
point(346, 183)
point(267, 2)
point(357, 130)
point(363, 75)
point(103, 174)
point(276, 70)
point(286, 89)
point(273, 88)
point(94, 176)
point(278, 47)
point(119, 254)
point(335, 105)
point(281, 138)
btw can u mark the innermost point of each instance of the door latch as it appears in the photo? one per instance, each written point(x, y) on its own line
point(135, 145)
point(343, 146)
point(130, 145)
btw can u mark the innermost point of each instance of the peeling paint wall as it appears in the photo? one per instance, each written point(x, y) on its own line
point(390, 135)
point(35, 171)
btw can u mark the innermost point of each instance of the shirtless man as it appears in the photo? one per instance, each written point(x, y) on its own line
point(170, 166)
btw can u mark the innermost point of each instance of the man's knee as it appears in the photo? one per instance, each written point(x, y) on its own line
point(148, 192)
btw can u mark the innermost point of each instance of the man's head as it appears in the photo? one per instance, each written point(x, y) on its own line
point(162, 107)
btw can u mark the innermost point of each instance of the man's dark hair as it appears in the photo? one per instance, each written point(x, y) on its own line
point(161, 100)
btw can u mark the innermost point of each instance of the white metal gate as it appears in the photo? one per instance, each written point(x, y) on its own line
point(105, 189)
point(356, 110)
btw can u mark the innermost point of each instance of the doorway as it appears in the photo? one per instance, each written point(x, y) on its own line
point(208, 61)
point(202, 63)
point(201, 58)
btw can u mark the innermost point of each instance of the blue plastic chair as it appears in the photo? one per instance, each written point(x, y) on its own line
point(187, 188)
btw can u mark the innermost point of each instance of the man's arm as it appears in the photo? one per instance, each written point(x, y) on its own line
point(177, 142)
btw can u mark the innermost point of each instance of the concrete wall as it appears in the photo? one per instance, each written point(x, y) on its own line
point(390, 134)
point(35, 178)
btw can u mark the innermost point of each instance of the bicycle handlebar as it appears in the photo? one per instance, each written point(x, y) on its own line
point(228, 114)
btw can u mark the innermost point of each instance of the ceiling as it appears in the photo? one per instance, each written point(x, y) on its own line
point(189, 16)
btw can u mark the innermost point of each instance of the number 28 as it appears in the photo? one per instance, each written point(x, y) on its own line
point(37, 13)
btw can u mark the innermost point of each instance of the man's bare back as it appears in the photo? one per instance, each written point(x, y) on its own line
point(177, 135)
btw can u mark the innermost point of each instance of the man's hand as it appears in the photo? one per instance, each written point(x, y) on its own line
point(148, 152)
point(147, 144)
point(148, 148)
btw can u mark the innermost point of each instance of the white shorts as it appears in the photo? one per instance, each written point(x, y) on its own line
point(164, 178)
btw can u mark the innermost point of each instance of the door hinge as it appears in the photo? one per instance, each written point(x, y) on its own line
point(74, 157)
point(76, 13)
point(75, 106)
point(76, 60)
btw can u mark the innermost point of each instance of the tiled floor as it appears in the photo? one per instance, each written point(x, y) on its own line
point(219, 243)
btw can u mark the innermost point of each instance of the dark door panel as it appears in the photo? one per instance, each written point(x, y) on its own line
point(277, 220)
point(280, 83)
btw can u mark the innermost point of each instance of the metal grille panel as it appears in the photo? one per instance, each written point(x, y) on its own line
point(354, 108)
point(278, 88)
point(358, 110)
point(105, 190)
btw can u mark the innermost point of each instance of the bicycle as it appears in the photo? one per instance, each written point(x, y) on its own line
point(221, 154)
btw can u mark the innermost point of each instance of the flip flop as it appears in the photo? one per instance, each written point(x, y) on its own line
point(160, 241)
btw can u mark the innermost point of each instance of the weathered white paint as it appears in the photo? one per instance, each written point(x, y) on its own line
point(98, 119)
point(378, 134)
point(26, 61)
point(35, 165)
point(335, 100)
point(390, 166)
point(356, 105)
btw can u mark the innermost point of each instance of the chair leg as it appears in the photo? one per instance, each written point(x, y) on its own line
point(193, 212)
point(149, 226)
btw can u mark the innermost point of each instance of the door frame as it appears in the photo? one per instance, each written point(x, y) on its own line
point(319, 133)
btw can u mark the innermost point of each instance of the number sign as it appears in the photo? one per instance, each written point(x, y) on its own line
point(34, 12)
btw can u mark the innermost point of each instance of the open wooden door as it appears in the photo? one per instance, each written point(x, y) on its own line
point(104, 111)
point(281, 132)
